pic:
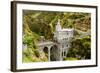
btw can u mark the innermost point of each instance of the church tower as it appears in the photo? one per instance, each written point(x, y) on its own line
point(62, 36)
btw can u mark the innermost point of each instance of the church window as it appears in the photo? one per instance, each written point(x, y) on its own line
point(67, 33)
point(62, 46)
point(67, 45)
point(64, 53)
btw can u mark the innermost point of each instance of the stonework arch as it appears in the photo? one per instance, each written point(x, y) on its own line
point(45, 50)
point(54, 53)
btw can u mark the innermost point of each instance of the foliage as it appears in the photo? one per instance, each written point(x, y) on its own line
point(27, 55)
point(29, 40)
point(80, 48)
point(42, 23)
point(37, 53)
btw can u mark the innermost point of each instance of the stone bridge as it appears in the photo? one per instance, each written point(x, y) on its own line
point(50, 48)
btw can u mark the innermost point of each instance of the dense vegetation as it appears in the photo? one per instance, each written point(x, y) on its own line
point(42, 23)
point(80, 48)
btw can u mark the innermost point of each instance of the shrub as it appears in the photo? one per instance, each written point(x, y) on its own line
point(37, 53)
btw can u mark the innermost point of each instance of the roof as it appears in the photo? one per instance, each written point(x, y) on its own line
point(67, 29)
point(45, 43)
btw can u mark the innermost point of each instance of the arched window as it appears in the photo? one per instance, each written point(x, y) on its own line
point(67, 45)
point(64, 53)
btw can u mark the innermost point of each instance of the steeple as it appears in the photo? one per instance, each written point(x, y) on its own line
point(58, 26)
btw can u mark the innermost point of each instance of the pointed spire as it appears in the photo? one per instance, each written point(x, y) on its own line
point(58, 26)
point(58, 22)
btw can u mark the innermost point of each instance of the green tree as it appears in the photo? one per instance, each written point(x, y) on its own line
point(80, 48)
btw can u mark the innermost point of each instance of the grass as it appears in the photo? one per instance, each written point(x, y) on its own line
point(70, 58)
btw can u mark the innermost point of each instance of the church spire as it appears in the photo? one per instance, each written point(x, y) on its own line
point(58, 22)
point(58, 26)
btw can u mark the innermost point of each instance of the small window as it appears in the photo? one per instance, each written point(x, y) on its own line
point(67, 33)
point(64, 53)
point(67, 45)
point(62, 46)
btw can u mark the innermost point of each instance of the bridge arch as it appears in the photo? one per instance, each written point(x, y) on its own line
point(53, 53)
point(50, 49)
point(45, 49)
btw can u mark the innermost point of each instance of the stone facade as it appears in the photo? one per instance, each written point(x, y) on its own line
point(63, 38)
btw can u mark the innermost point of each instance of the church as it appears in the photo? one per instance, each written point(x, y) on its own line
point(63, 37)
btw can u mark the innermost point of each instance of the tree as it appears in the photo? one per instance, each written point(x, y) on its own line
point(80, 48)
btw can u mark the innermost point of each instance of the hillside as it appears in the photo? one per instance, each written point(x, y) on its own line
point(42, 23)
